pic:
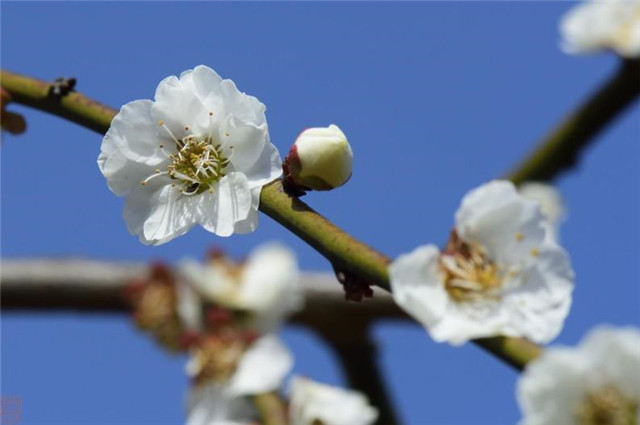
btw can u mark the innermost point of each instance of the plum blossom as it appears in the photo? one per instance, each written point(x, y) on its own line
point(266, 285)
point(314, 403)
point(499, 275)
point(224, 377)
point(597, 25)
point(199, 154)
point(596, 383)
point(320, 159)
point(551, 205)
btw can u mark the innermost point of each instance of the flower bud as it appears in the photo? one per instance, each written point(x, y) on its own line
point(320, 159)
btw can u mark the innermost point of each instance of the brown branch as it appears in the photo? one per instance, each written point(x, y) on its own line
point(90, 286)
point(358, 356)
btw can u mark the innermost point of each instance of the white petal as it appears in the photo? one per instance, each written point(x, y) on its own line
point(270, 285)
point(603, 24)
point(417, 285)
point(551, 386)
point(130, 150)
point(201, 81)
point(262, 367)
point(189, 306)
point(313, 403)
point(218, 212)
point(246, 108)
point(179, 107)
point(250, 223)
point(616, 353)
point(158, 213)
point(247, 140)
point(266, 169)
point(211, 282)
point(496, 217)
point(539, 305)
point(211, 404)
point(551, 204)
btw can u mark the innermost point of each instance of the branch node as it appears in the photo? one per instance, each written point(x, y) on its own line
point(61, 87)
point(355, 288)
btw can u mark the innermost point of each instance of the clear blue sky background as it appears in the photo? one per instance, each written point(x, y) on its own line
point(435, 98)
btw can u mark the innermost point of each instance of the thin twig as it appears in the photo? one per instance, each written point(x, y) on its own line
point(271, 408)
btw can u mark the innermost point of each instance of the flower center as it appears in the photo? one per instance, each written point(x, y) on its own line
point(606, 406)
point(469, 274)
point(216, 358)
point(198, 164)
point(624, 34)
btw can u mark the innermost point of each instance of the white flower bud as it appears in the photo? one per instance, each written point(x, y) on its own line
point(320, 159)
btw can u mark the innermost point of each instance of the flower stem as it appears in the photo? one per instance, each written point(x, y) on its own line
point(560, 149)
point(271, 409)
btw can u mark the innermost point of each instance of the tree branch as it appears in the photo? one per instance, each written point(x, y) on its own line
point(358, 356)
point(560, 150)
point(97, 286)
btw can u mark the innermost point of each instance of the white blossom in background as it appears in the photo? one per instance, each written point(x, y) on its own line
point(211, 404)
point(199, 154)
point(261, 369)
point(596, 383)
point(313, 403)
point(320, 159)
point(267, 284)
point(551, 205)
point(597, 25)
point(500, 274)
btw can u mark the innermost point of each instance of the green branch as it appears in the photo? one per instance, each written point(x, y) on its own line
point(559, 151)
point(342, 250)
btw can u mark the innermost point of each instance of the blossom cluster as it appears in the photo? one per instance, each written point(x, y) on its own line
point(226, 316)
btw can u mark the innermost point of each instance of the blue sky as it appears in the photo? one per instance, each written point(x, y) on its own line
point(435, 98)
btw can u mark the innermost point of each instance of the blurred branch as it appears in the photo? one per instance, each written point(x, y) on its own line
point(560, 150)
point(96, 286)
point(358, 356)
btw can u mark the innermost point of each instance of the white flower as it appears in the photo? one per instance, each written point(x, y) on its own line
point(199, 154)
point(188, 307)
point(312, 403)
point(211, 404)
point(320, 159)
point(603, 24)
point(596, 383)
point(500, 274)
point(267, 284)
point(551, 205)
point(261, 369)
